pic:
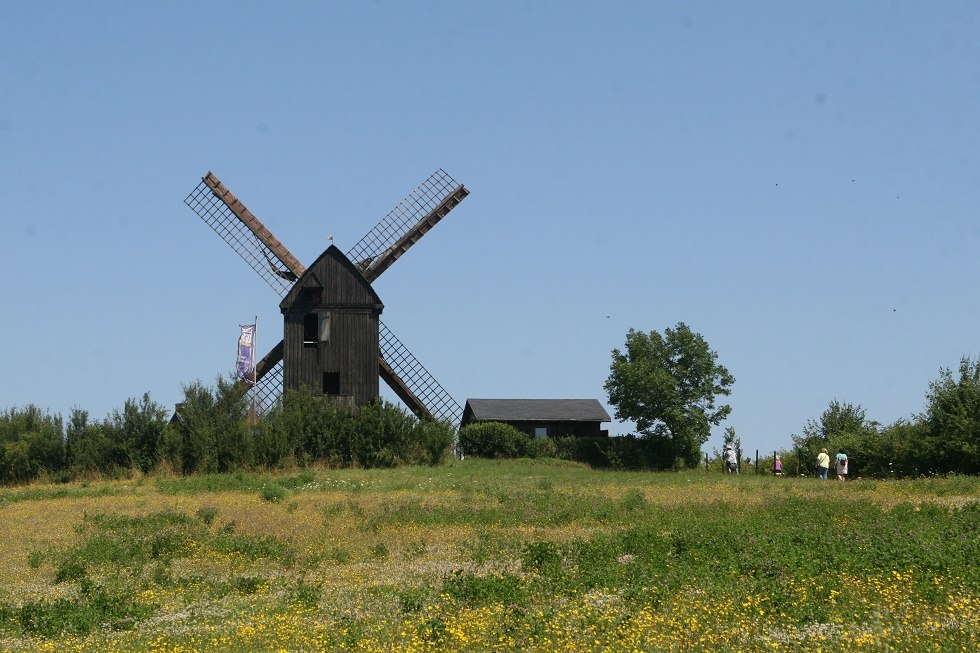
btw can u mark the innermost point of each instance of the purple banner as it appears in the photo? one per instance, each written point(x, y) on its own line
point(246, 354)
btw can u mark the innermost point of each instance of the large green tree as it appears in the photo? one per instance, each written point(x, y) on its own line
point(668, 385)
point(952, 419)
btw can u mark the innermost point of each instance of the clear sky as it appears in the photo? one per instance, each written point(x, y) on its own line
point(799, 182)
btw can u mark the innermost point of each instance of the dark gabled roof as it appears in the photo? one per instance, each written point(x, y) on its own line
point(328, 266)
point(543, 410)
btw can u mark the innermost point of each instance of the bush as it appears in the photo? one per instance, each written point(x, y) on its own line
point(211, 434)
point(435, 440)
point(541, 448)
point(494, 440)
point(626, 452)
point(309, 427)
point(92, 447)
point(274, 493)
point(96, 608)
point(214, 433)
point(31, 442)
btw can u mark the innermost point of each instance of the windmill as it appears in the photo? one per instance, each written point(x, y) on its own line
point(333, 336)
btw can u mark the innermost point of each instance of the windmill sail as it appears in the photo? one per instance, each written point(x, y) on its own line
point(254, 243)
point(267, 391)
point(268, 379)
point(405, 224)
point(413, 384)
point(229, 218)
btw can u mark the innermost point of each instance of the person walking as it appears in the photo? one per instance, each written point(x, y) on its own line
point(777, 466)
point(841, 464)
point(731, 460)
point(823, 464)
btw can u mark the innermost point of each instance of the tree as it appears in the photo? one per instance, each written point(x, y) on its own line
point(730, 439)
point(668, 385)
point(138, 429)
point(94, 446)
point(841, 425)
point(210, 434)
point(31, 442)
point(953, 420)
point(900, 450)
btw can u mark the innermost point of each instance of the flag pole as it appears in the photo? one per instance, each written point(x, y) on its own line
point(255, 336)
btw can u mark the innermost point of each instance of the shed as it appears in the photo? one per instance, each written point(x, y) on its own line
point(541, 418)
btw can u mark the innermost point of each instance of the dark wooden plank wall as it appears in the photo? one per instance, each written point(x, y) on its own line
point(352, 350)
point(562, 428)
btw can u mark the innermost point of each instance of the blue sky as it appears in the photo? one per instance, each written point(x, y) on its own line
point(798, 182)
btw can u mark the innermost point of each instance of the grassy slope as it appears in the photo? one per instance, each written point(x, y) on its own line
point(479, 555)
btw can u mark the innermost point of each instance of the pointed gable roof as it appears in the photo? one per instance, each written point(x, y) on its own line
point(342, 283)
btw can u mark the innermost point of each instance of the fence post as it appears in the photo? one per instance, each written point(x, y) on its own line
point(756, 462)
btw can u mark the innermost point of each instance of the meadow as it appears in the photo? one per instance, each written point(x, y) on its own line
point(481, 555)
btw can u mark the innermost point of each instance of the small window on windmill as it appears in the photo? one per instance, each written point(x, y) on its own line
point(331, 383)
point(310, 295)
point(311, 324)
point(324, 328)
point(540, 432)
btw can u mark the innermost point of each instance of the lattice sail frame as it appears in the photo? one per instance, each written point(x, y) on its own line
point(400, 219)
point(266, 394)
point(439, 402)
point(203, 201)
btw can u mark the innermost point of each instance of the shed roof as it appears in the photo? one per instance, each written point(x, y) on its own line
point(569, 410)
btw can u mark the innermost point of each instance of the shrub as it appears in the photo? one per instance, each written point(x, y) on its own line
point(138, 432)
point(274, 493)
point(473, 590)
point(306, 594)
point(309, 427)
point(206, 514)
point(435, 440)
point(541, 448)
point(626, 452)
point(95, 608)
point(31, 442)
point(211, 434)
point(494, 440)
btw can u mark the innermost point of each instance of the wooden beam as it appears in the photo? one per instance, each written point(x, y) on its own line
point(254, 225)
point(412, 236)
point(269, 361)
point(399, 388)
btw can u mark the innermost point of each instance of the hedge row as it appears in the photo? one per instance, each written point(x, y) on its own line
point(214, 431)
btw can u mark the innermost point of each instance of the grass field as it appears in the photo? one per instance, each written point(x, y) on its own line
point(485, 555)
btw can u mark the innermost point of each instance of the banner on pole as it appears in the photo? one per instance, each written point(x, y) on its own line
point(246, 354)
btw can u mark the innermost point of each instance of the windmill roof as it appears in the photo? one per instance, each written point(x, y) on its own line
point(577, 410)
point(358, 290)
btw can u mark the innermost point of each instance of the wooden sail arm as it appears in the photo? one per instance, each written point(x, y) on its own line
point(254, 225)
point(269, 361)
point(399, 388)
point(412, 236)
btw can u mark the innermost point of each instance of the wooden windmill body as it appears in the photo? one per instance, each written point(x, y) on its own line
point(333, 338)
